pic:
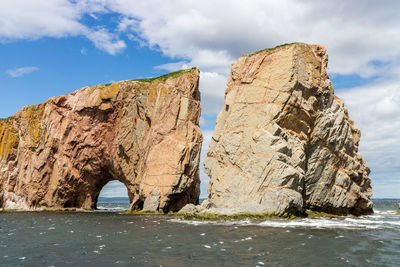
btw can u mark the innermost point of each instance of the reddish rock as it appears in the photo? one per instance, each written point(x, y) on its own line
point(144, 133)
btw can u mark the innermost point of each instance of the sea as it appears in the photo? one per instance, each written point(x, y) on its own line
point(109, 237)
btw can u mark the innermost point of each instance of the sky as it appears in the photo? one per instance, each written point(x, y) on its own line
point(49, 48)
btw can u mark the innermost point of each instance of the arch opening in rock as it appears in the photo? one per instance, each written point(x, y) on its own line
point(113, 196)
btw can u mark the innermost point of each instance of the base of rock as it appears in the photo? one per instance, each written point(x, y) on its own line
point(11, 201)
point(205, 212)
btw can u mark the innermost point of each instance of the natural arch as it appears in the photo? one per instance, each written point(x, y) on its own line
point(85, 193)
point(145, 134)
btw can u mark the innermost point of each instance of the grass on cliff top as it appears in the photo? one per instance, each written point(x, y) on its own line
point(164, 77)
point(161, 78)
point(273, 48)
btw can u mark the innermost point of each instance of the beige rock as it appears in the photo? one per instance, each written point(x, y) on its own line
point(152, 201)
point(143, 133)
point(283, 142)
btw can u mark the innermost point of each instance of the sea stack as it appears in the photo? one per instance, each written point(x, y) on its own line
point(283, 142)
point(144, 133)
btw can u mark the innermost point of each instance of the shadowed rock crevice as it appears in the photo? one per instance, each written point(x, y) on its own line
point(143, 133)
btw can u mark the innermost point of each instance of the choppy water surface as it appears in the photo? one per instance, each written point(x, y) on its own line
point(113, 239)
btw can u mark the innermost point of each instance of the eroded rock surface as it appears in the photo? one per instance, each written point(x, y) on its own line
point(143, 133)
point(284, 142)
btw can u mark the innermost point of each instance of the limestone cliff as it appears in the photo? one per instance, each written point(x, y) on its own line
point(284, 142)
point(144, 133)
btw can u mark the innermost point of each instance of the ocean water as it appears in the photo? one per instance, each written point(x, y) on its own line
point(109, 238)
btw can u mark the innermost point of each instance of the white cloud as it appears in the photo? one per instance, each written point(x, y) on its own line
point(128, 24)
point(375, 109)
point(212, 33)
point(14, 73)
point(175, 66)
point(114, 189)
point(212, 88)
point(106, 41)
point(26, 19)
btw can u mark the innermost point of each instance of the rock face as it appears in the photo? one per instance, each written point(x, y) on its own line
point(284, 142)
point(143, 133)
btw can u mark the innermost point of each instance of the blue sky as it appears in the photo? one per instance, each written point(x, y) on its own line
point(64, 65)
point(49, 48)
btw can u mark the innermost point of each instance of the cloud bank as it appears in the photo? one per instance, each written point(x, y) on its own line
point(114, 189)
point(375, 109)
point(31, 20)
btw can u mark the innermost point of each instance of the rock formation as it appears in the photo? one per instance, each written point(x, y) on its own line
point(143, 133)
point(283, 142)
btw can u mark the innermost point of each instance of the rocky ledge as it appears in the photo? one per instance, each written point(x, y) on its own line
point(144, 133)
point(283, 142)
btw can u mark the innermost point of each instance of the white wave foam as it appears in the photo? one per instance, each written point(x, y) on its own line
point(102, 208)
point(318, 224)
point(384, 220)
point(385, 211)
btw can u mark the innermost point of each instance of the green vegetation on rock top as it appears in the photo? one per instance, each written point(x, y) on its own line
point(165, 76)
point(161, 78)
point(273, 48)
